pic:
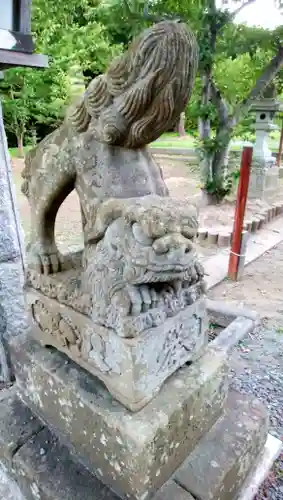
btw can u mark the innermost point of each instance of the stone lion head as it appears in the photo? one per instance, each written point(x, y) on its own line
point(142, 256)
point(144, 91)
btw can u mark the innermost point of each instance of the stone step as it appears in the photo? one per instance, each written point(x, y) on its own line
point(220, 463)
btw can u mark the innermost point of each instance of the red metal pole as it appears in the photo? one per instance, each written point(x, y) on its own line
point(280, 147)
point(240, 212)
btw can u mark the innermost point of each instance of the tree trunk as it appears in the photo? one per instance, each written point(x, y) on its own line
point(220, 157)
point(205, 130)
point(20, 139)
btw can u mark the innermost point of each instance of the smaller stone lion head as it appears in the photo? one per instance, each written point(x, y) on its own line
point(144, 91)
point(141, 248)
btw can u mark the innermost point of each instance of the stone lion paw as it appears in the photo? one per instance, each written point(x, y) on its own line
point(45, 262)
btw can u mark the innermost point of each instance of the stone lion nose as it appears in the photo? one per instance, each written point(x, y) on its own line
point(172, 242)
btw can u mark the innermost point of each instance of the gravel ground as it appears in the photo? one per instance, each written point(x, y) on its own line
point(257, 362)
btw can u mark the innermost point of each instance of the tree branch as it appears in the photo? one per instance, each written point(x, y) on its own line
point(263, 81)
point(245, 4)
point(146, 16)
point(220, 104)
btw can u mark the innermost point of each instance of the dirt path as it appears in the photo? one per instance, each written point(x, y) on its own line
point(261, 287)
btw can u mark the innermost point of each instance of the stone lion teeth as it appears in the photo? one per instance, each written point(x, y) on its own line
point(136, 300)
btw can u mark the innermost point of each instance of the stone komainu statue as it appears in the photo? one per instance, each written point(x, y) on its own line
point(100, 149)
point(129, 308)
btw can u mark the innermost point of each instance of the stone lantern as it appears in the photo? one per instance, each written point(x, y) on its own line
point(264, 174)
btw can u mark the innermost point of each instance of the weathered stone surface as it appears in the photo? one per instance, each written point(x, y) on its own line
point(10, 231)
point(220, 463)
point(43, 468)
point(146, 314)
point(172, 491)
point(12, 298)
point(264, 180)
point(17, 425)
point(9, 247)
point(133, 370)
point(47, 471)
point(12, 315)
point(135, 454)
point(141, 282)
point(9, 490)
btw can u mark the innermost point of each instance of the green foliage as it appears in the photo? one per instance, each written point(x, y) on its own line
point(33, 97)
point(219, 188)
point(82, 37)
point(236, 77)
point(70, 33)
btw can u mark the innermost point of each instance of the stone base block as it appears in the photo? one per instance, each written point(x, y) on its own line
point(220, 463)
point(135, 454)
point(216, 469)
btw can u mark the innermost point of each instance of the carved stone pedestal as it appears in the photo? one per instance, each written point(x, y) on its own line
point(132, 360)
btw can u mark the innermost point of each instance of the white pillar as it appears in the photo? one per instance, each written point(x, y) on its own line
point(12, 308)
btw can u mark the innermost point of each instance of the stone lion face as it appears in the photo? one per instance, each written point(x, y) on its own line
point(144, 258)
point(147, 258)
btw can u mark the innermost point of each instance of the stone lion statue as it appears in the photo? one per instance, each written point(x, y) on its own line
point(142, 260)
point(100, 149)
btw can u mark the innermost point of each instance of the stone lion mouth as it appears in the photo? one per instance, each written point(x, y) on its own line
point(159, 294)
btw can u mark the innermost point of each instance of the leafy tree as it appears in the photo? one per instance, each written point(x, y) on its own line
point(76, 43)
point(33, 97)
point(71, 34)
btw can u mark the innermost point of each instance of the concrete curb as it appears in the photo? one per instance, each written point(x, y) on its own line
point(236, 323)
point(222, 237)
point(268, 456)
point(216, 267)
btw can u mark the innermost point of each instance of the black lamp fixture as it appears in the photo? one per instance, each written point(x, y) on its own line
point(16, 44)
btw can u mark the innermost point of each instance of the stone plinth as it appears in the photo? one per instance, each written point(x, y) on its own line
point(217, 468)
point(134, 454)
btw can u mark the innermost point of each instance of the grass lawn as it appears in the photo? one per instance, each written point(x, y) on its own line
point(14, 153)
point(172, 140)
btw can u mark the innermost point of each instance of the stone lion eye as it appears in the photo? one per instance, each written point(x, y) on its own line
point(140, 236)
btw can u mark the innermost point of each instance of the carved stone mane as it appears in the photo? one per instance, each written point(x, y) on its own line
point(144, 91)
